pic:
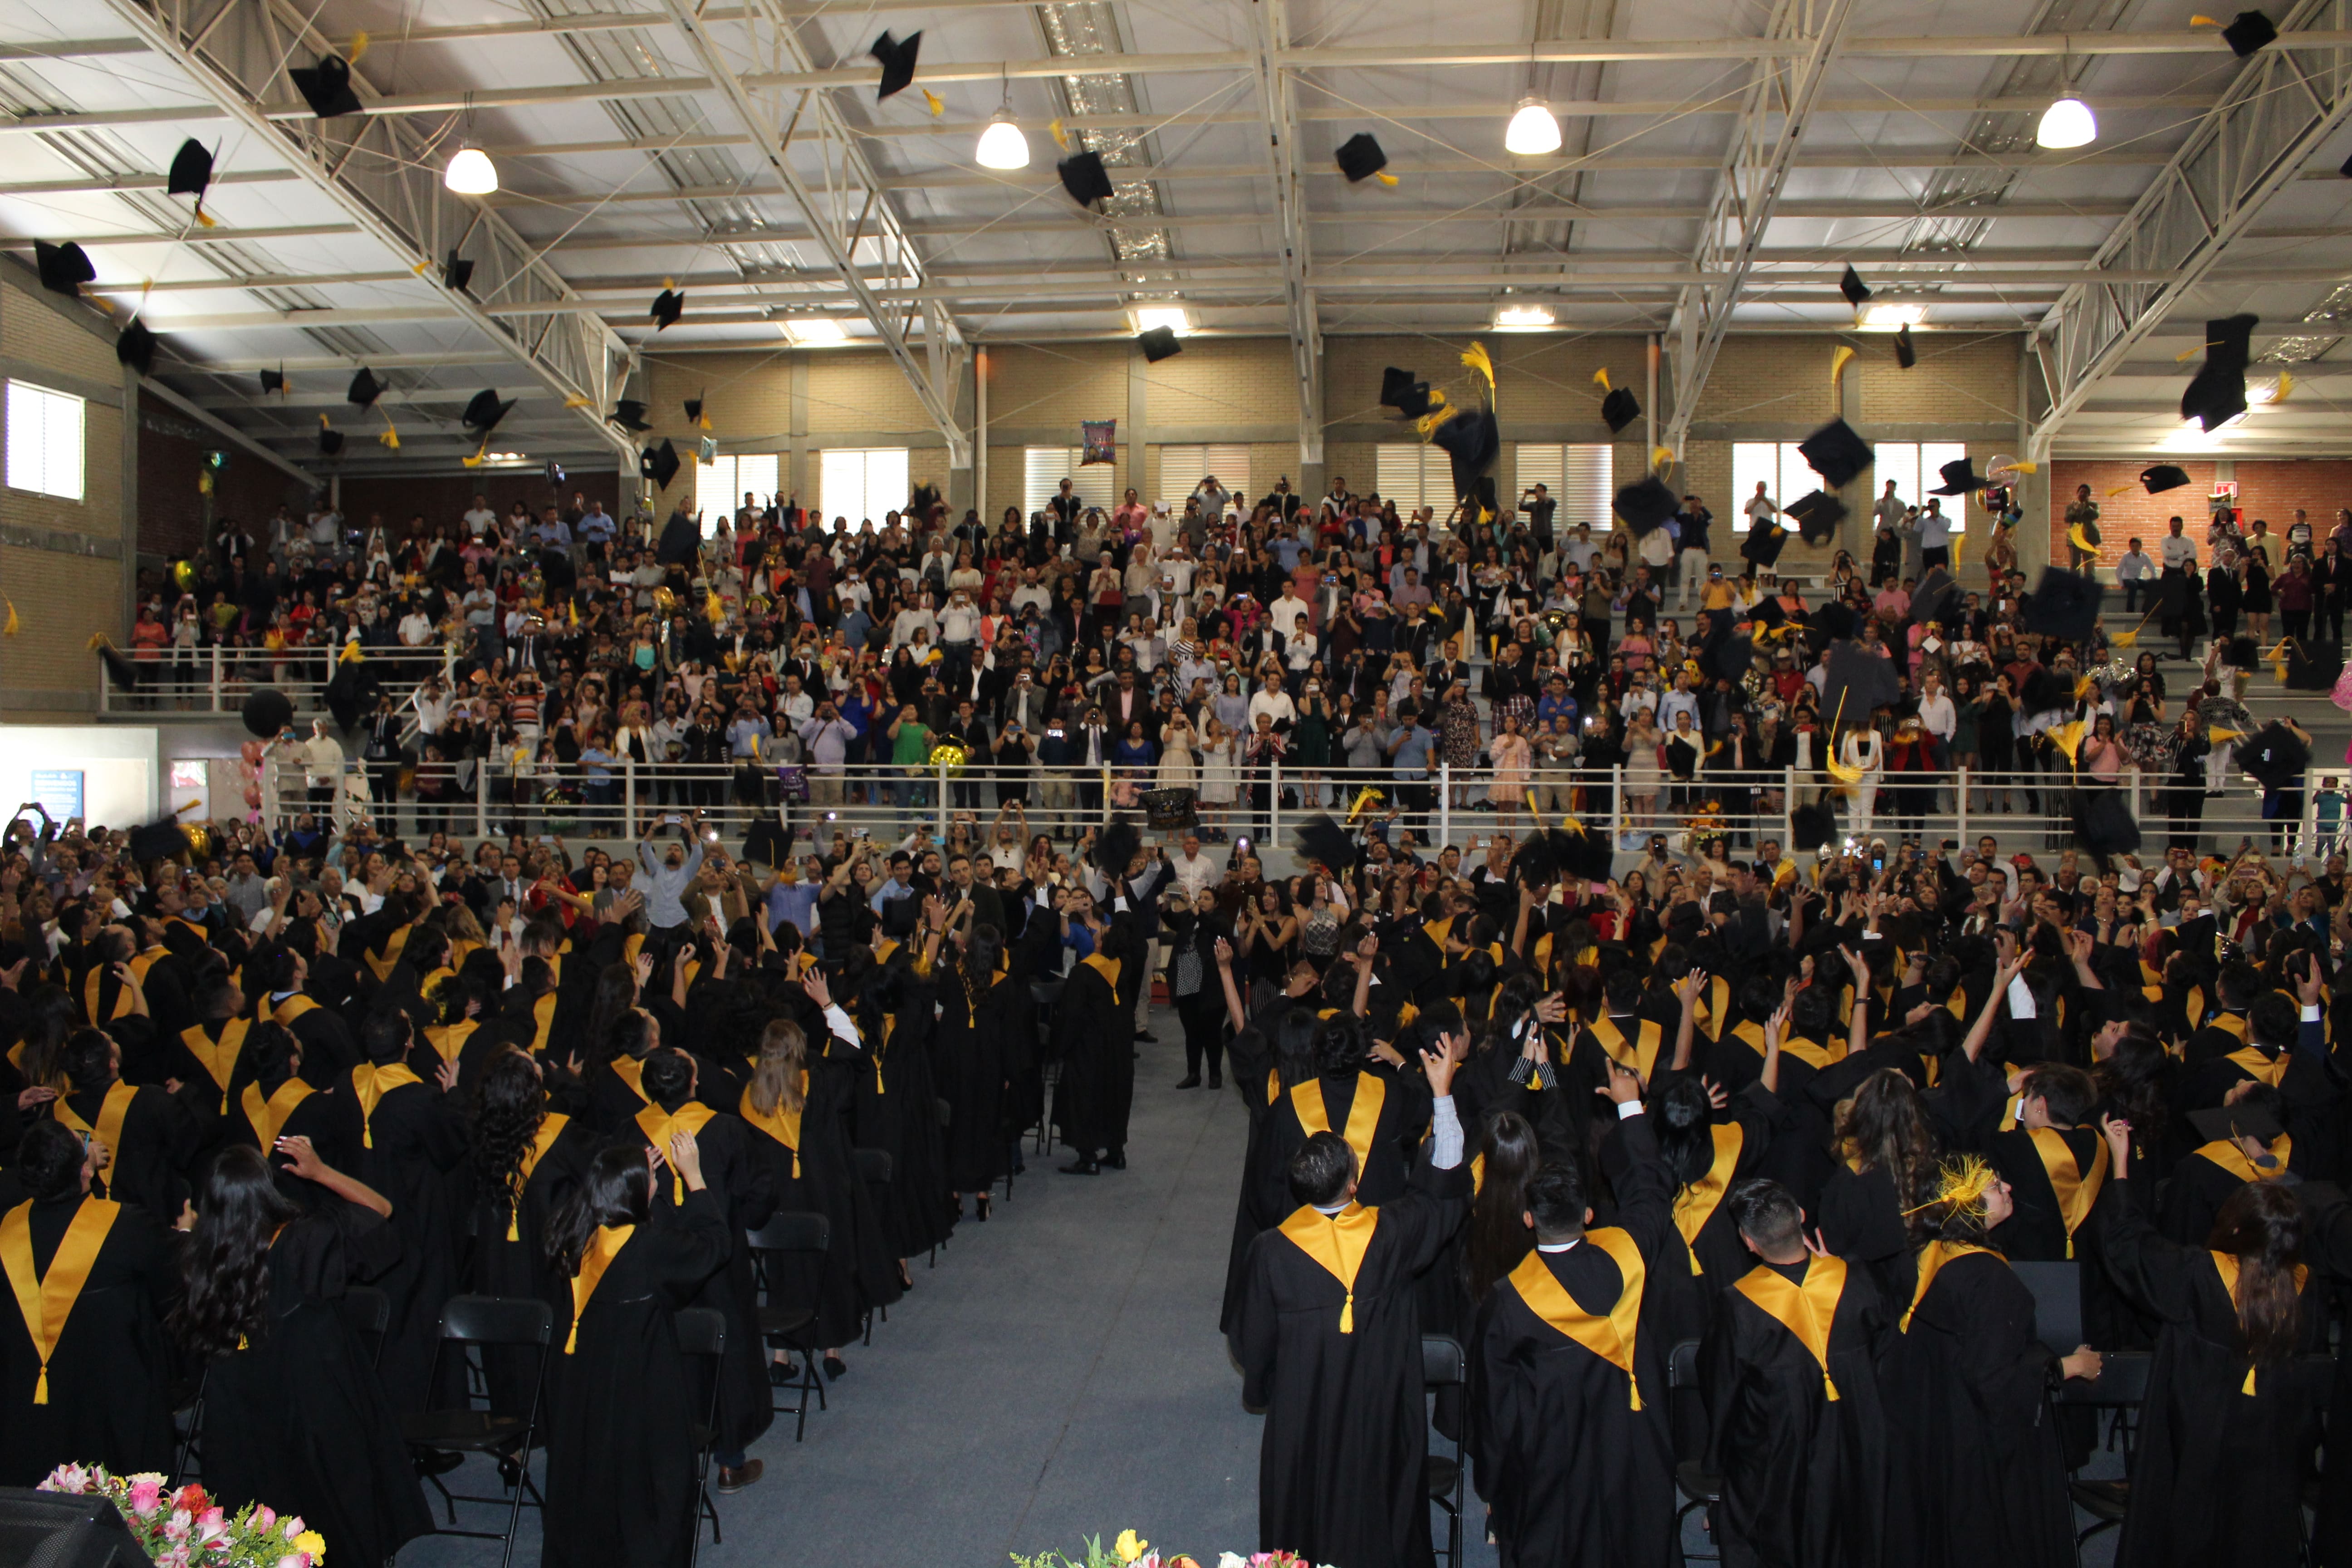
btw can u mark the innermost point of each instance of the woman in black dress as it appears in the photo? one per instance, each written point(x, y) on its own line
point(1997, 735)
point(897, 1099)
point(980, 1007)
point(2257, 602)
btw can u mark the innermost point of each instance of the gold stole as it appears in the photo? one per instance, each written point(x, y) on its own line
point(2226, 1154)
point(382, 967)
point(268, 1116)
point(93, 990)
point(49, 1301)
point(1696, 1204)
point(889, 1027)
point(1107, 968)
point(657, 1125)
point(1438, 931)
point(631, 1071)
point(461, 950)
point(112, 1112)
point(1935, 1255)
point(1958, 1004)
point(631, 945)
point(372, 1084)
point(1363, 1113)
point(201, 933)
point(1715, 1009)
point(2259, 1065)
point(550, 1128)
point(542, 1017)
point(1339, 1243)
point(1807, 1310)
point(1610, 1337)
point(1640, 1057)
point(2225, 1263)
point(288, 1012)
point(2076, 1192)
point(426, 983)
point(594, 1259)
point(783, 1126)
point(2231, 1024)
point(449, 1043)
point(218, 1060)
point(2192, 1005)
point(1812, 1053)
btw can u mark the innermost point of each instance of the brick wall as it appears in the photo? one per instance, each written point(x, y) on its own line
point(2271, 489)
point(171, 509)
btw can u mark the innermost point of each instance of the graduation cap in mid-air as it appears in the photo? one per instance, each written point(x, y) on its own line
point(64, 269)
point(658, 464)
point(1959, 479)
point(1768, 614)
point(1083, 176)
point(1836, 452)
point(2247, 32)
point(1811, 826)
point(1835, 620)
point(630, 416)
point(1472, 439)
point(2217, 394)
point(1361, 156)
point(135, 346)
point(1646, 506)
point(457, 271)
point(2064, 604)
point(273, 380)
point(1409, 397)
point(694, 413)
point(1817, 514)
point(668, 307)
point(266, 711)
point(192, 171)
point(1319, 838)
point(120, 668)
point(364, 388)
point(327, 87)
point(1732, 658)
point(1933, 598)
point(1851, 285)
point(897, 57)
point(1763, 544)
point(1905, 354)
point(483, 414)
point(331, 440)
point(2163, 477)
point(2274, 756)
point(1620, 408)
point(1159, 343)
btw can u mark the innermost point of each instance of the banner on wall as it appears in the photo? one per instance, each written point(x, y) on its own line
point(58, 792)
point(1101, 441)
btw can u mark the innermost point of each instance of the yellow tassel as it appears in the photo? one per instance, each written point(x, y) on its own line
point(1661, 458)
point(2286, 385)
point(514, 1223)
point(1387, 179)
point(2188, 354)
point(1960, 543)
point(2203, 22)
point(2248, 1390)
point(1828, 1388)
point(2121, 490)
point(2124, 639)
point(1475, 356)
point(577, 401)
point(16, 624)
point(351, 655)
point(1348, 1324)
point(932, 98)
point(389, 438)
point(41, 1385)
point(419, 268)
point(1846, 351)
point(703, 422)
point(1428, 423)
point(205, 218)
point(1061, 137)
point(1600, 378)
point(2026, 468)
point(359, 48)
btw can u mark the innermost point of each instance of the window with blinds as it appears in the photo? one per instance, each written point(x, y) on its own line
point(1045, 468)
point(1182, 469)
point(863, 484)
point(1578, 477)
point(44, 441)
point(719, 485)
point(1414, 475)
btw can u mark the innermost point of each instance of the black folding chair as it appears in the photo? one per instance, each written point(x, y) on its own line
point(1444, 1372)
point(487, 1322)
point(787, 1317)
point(1700, 1486)
point(368, 1312)
point(874, 1169)
point(188, 1420)
point(702, 1332)
point(2121, 1385)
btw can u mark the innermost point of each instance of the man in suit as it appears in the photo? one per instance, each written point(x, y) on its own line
point(1129, 703)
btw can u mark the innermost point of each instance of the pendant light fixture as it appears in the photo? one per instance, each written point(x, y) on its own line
point(1001, 145)
point(2067, 123)
point(472, 173)
point(1533, 131)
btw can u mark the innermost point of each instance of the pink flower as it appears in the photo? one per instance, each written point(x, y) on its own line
point(146, 1496)
point(211, 1524)
point(291, 1526)
point(265, 1517)
point(176, 1527)
point(293, 1560)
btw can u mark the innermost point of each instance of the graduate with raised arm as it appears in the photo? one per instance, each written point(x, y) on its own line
point(1568, 1409)
point(1328, 1341)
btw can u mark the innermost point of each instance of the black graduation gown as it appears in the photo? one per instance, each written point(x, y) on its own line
point(300, 1420)
point(1346, 1430)
point(1860, 1220)
point(417, 1141)
point(1975, 1474)
point(897, 1109)
point(110, 1376)
point(620, 1443)
point(494, 1265)
point(1679, 1300)
point(159, 1136)
point(968, 1057)
point(2218, 1473)
point(2199, 1186)
point(2036, 1232)
point(1803, 1475)
point(861, 1271)
point(1575, 1474)
point(1094, 1040)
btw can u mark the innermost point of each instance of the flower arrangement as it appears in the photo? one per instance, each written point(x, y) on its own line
point(1130, 1551)
point(185, 1529)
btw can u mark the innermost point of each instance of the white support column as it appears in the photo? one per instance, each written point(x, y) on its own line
point(1278, 100)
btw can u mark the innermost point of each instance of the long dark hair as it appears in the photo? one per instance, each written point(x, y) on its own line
point(618, 1189)
point(1685, 1132)
point(615, 994)
point(509, 1104)
point(49, 1016)
point(225, 1265)
point(1498, 1237)
point(2262, 1224)
point(1885, 1128)
point(2136, 1080)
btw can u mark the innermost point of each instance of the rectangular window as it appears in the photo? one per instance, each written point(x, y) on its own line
point(1778, 466)
point(1579, 477)
point(1414, 474)
point(1915, 467)
point(1182, 469)
point(719, 485)
point(862, 484)
point(44, 432)
point(1045, 468)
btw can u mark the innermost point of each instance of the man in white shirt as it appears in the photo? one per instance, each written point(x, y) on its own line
point(322, 768)
point(479, 516)
point(1195, 872)
point(2177, 549)
point(2137, 573)
point(1284, 611)
point(1579, 547)
point(1678, 701)
point(1935, 537)
point(1272, 698)
point(1890, 511)
point(1760, 509)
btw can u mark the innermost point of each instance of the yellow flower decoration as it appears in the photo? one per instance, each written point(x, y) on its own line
point(1130, 1546)
point(311, 1544)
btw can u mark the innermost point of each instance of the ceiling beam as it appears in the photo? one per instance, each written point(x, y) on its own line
point(1278, 111)
point(2281, 107)
point(85, 185)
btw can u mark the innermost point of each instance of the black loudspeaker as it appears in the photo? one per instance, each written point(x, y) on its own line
point(56, 1529)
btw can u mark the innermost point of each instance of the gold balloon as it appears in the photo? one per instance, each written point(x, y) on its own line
point(950, 756)
point(664, 603)
point(184, 576)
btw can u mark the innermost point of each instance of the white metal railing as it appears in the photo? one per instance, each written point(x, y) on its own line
point(217, 679)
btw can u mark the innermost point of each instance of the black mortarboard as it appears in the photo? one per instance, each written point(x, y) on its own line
point(364, 388)
point(694, 410)
point(1763, 544)
point(1732, 658)
point(2063, 604)
point(1856, 682)
point(1590, 857)
point(1905, 354)
point(1083, 176)
point(630, 414)
point(1472, 439)
point(658, 464)
point(1361, 156)
point(2222, 1123)
point(64, 269)
point(2163, 477)
point(668, 307)
point(456, 271)
point(1768, 614)
point(1835, 620)
point(273, 380)
point(1810, 827)
point(897, 58)
point(485, 411)
point(1817, 514)
point(2274, 756)
point(1536, 862)
point(192, 170)
point(1321, 839)
point(1646, 506)
point(1418, 400)
point(1396, 386)
point(135, 346)
point(120, 668)
point(1836, 453)
point(327, 87)
point(1159, 343)
point(2249, 31)
point(2104, 823)
point(1855, 291)
point(2217, 394)
point(1931, 600)
point(1621, 408)
point(266, 711)
point(162, 840)
point(330, 442)
point(1959, 479)
point(2242, 653)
